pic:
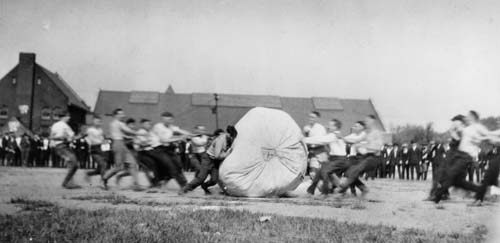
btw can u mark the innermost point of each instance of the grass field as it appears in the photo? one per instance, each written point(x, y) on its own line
point(43, 221)
point(34, 206)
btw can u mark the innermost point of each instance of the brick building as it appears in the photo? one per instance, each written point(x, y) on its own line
point(35, 95)
point(197, 108)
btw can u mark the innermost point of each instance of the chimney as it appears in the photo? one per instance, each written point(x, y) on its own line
point(27, 58)
point(24, 85)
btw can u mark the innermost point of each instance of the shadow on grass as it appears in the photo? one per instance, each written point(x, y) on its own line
point(32, 205)
point(113, 225)
point(116, 199)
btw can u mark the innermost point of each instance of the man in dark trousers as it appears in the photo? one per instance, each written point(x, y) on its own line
point(61, 135)
point(369, 148)
point(405, 157)
point(491, 174)
point(468, 148)
point(95, 139)
point(394, 161)
point(384, 162)
point(414, 159)
point(218, 150)
point(25, 147)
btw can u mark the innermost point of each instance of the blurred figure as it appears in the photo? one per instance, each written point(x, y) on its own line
point(123, 157)
point(61, 135)
point(394, 161)
point(424, 163)
point(45, 152)
point(25, 147)
point(95, 139)
point(414, 159)
point(405, 158)
point(317, 153)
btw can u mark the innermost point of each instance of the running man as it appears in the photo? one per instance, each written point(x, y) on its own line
point(317, 153)
point(455, 174)
point(125, 161)
point(95, 139)
point(61, 136)
point(368, 147)
point(490, 177)
point(337, 152)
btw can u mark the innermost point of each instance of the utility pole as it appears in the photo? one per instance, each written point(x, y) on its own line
point(216, 110)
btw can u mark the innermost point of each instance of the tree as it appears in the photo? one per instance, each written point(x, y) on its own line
point(417, 133)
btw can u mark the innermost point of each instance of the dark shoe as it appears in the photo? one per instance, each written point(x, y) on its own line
point(206, 190)
point(181, 192)
point(72, 186)
point(105, 184)
point(310, 190)
point(137, 188)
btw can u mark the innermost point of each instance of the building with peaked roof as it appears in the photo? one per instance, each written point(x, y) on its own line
point(198, 108)
point(35, 95)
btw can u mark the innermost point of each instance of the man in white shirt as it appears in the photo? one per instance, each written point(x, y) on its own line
point(369, 147)
point(337, 146)
point(491, 174)
point(163, 136)
point(199, 145)
point(468, 148)
point(95, 139)
point(125, 162)
point(143, 147)
point(318, 153)
point(61, 135)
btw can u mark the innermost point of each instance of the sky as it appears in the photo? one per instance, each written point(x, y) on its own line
point(418, 60)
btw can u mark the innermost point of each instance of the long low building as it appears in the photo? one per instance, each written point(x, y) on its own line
point(198, 108)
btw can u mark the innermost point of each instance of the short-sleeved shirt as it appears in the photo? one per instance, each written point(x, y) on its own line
point(61, 130)
point(471, 138)
point(160, 133)
point(199, 144)
point(116, 130)
point(95, 136)
point(315, 130)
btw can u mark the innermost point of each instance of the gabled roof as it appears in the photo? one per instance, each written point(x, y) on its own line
point(73, 97)
point(196, 109)
point(232, 100)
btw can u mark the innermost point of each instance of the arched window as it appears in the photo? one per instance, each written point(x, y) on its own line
point(55, 112)
point(4, 112)
point(46, 114)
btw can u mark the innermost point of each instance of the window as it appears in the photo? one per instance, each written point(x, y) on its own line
point(46, 114)
point(4, 112)
point(55, 112)
point(14, 80)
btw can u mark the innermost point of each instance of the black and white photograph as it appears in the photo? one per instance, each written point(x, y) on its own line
point(250, 121)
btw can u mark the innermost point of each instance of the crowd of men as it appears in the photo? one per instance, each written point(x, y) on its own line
point(336, 161)
point(156, 149)
point(34, 151)
point(414, 161)
point(333, 156)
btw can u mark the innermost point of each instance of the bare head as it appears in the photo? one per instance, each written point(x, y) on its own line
point(119, 114)
point(64, 116)
point(146, 124)
point(370, 121)
point(167, 118)
point(96, 121)
point(359, 126)
point(472, 117)
point(334, 125)
point(314, 117)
